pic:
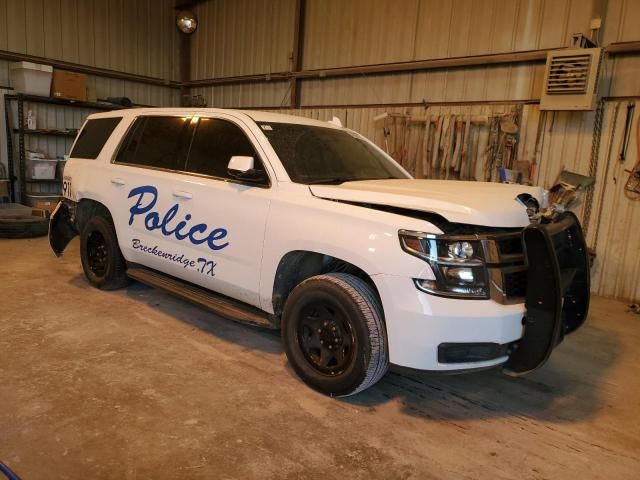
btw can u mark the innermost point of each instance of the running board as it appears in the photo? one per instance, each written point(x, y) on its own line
point(219, 304)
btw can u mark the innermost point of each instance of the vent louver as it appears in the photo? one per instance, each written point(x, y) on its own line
point(571, 79)
point(568, 74)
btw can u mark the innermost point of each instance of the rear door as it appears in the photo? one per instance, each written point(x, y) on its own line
point(144, 182)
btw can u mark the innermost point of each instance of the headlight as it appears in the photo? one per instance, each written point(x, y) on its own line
point(458, 264)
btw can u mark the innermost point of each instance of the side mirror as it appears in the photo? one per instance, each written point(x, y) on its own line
point(243, 168)
point(239, 165)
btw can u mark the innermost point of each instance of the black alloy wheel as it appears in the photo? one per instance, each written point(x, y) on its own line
point(97, 253)
point(334, 335)
point(326, 337)
point(102, 262)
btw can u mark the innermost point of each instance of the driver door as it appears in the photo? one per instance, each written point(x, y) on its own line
point(235, 209)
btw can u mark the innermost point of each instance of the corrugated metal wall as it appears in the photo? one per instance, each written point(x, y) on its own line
point(344, 33)
point(132, 36)
point(256, 37)
point(340, 33)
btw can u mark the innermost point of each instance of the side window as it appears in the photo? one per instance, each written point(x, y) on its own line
point(215, 142)
point(160, 142)
point(93, 136)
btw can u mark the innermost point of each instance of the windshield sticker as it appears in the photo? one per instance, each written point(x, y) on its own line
point(197, 234)
point(201, 265)
point(266, 127)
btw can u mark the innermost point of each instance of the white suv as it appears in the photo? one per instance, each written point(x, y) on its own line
point(306, 226)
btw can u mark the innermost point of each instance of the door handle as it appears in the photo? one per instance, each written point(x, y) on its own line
point(181, 194)
point(118, 181)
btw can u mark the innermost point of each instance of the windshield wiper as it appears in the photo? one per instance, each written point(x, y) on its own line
point(328, 181)
point(338, 180)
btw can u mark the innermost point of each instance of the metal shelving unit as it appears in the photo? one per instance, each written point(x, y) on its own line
point(19, 175)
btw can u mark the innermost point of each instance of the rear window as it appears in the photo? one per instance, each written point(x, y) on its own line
point(93, 137)
point(157, 142)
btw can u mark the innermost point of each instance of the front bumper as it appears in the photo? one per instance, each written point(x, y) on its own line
point(420, 327)
point(558, 291)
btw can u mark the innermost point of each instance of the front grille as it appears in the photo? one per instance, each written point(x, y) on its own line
point(515, 284)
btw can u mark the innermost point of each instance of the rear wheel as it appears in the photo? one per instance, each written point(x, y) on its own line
point(23, 226)
point(102, 262)
point(334, 335)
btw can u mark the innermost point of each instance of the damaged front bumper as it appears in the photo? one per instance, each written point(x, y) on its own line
point(517, 330)
point(62, 226)
point(558, 291)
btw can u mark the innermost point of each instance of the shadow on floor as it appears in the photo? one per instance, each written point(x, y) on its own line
point(564, 390)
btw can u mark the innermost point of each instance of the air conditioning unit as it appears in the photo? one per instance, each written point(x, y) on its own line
point(571, 79)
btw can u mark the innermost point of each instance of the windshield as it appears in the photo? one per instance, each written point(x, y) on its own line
point(316, 155)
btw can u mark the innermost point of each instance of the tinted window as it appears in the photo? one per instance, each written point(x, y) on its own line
point(93, 137)
point(215, 142)
point(327, 155)
point(160, 142)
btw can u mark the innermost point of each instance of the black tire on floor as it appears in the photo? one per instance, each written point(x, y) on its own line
point(102, 262)
point(22, 226)
point(334, 334)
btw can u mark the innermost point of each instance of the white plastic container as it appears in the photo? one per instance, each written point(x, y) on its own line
point(31, 78)
point(41, 169)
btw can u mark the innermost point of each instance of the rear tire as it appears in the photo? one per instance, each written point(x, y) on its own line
point(23, 226)
point(102, 261)
point(334, 335)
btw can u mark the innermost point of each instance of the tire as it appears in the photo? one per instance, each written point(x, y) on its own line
point(334, 334)
point(102, 261)
point(23, 226)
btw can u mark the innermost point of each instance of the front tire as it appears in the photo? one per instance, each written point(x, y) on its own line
point(334, 335)
point(102, 262)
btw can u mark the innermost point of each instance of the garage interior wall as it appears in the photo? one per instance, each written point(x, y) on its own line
point(239, 38)
point(244, 50)
point(131, 37)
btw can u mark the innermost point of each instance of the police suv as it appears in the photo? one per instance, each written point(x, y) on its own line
point(308, 227)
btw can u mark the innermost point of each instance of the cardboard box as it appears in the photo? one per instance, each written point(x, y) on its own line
point(43, 201)
point(69, 85)
point(4, 188)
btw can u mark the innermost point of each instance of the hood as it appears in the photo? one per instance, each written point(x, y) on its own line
point(474, 203)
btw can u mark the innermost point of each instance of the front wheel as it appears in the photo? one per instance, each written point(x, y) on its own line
point(334, 335)
point(102, 262)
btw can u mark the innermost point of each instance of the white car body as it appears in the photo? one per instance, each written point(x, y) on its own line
point(265, 224)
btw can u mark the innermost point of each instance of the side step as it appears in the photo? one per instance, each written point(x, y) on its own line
point(219, 304)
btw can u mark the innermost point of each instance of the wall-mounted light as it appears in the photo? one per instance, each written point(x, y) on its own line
point(186, 21)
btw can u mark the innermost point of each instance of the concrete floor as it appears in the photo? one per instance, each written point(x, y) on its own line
point(134, 384)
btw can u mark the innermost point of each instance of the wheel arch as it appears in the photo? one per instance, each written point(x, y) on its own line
point(298, 265)
point(87, 208)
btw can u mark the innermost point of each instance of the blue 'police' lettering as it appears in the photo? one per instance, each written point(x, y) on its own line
point(147, 196)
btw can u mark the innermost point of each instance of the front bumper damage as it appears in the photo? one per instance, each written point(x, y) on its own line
point(558, 291)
